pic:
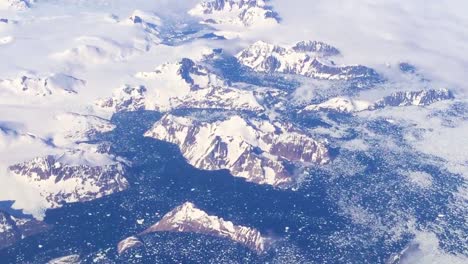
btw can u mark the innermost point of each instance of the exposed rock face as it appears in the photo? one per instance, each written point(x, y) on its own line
point(13, 229)
point(60, 182)
point(83, 170)
point(316, 47)
point(181, 85)
point(72, 259)
point(127, 98)
point(188, 218)
point(418, 98)
point(302, 59)
point(128, 243)
point(256, 150)
point(349, 105)
point(236, 12)
point(43, 86)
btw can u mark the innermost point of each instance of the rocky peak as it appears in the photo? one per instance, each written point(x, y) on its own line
point(188, 218)
point(60, 180)
point(257, 150)
point(315, 47)
point(236, 12)
point(304, 58)
point(398, 99)
point(149, 22)
point(184, 84)
point(417, 98)
point(126, 98)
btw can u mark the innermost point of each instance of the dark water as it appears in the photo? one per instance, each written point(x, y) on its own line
point(161, 180)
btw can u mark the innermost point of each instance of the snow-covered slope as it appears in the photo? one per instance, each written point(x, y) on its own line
point(339, 104)
point(254, 149)
point(81, 172)
point(188, 218)
point(236, 12)
point(97, 50)
point(418, 98)
point(184, 84)
point(304, 58)
point(13, 229)
point(42, 86)
point(398, 99)
point(150, 24)
point(60, 182)
point(73, 128)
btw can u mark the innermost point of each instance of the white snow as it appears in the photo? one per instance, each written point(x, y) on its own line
point(165, 89)
point(340, 104)
point(232, 143)
point(188, 218)
point(235, 13)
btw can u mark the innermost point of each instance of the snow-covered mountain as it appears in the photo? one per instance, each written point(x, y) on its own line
point(188, 218)
point(398, 99)
point(317, 48)
point(149, 23)
point(42, 86)
point(99, 50)
point(184, 84)
point(236, 12)
point(73, 128)
point(304, 58)
point(339, 104)
point(257, 150)
point(60, 182)
point(82, 171)
point(13, 229)
point(418, 98)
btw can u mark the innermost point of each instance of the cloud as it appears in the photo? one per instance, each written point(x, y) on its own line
point(430, 34)
point(425, 249)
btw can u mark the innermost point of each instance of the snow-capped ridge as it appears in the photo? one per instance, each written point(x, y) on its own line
point(149, 22)
point(246, 13)
point(188, 218)
point(60, 182)
point(257, 150)
point(184, 84)
point(340, 104)
point(305, 58)
point(43, 85)
point(416, 98)
point(397, 99)
point(316, 47)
